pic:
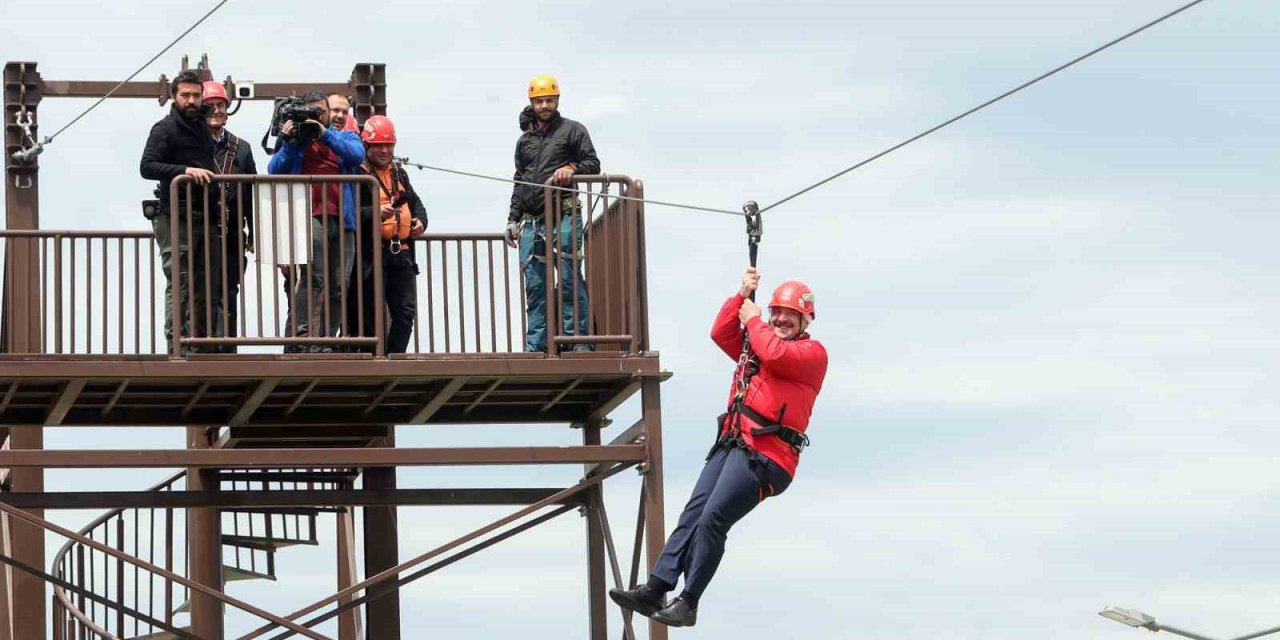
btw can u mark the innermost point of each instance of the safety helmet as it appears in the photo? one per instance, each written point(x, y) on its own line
point(541, 86)
point(796, 296)
point(397, 227)
point(213, 90)
point(378, 130)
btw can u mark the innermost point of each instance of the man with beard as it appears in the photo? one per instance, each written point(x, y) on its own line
point(551, 146)
point(758, 447)
point(322, 150)
point(231, 155)
point(181, 144)
point(394, 216)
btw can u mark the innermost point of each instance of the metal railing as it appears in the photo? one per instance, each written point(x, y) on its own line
point(103, 292)
point(158, 536)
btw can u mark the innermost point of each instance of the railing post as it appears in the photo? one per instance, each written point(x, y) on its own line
point(550, 222)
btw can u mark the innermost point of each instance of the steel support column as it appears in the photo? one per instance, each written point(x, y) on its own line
point(204, 546)
point(597, 620)
point(28, 592)
point(655, 528)
point(381, 552)
point(348, 621)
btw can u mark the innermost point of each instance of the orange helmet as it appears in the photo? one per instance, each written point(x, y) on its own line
point(213, 90)
point(796, 296)
point(397, 227)
point(378, 130)
point(541, 86)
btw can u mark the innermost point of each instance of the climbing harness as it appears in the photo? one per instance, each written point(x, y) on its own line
point(748, 366)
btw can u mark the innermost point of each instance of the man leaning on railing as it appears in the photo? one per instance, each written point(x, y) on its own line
point(550, 146)
point(316, 148)
point(231, 156)
point(181, 144)
point(395, 216)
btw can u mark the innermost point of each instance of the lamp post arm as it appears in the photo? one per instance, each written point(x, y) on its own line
point(1186, 634)
point(1259, 634)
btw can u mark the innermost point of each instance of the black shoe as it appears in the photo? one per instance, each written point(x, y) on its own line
point(677, 614)
point(642, 599)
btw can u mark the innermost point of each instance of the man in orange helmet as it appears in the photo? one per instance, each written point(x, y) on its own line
point(400, 218)
point(231, 155)
point(758, 446)
point(551, 146)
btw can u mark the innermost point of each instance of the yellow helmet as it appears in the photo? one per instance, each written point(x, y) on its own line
point(541, 86)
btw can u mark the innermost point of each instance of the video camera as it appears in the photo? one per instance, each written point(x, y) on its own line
point(293, 109)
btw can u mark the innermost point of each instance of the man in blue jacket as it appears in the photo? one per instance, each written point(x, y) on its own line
point(333, 218)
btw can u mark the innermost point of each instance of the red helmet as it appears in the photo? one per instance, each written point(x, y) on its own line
point(213, 90)
point(378, 130)
point(796, 296)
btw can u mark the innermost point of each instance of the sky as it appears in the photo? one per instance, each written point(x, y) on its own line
point(1051, 325)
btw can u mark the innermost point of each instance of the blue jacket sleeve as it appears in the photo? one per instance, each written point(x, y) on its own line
point(287, 159)
point(347, 145)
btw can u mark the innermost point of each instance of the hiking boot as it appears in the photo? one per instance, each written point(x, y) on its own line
point(677, 614)
point(642, 599)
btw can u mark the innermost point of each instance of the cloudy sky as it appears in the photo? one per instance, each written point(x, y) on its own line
point(1052, 325)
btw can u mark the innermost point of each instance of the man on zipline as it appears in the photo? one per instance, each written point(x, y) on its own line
point(778, 377)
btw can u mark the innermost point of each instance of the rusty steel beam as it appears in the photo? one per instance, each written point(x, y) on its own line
point(251, 402)
point(382, 395)
point(159, 89)
point(423, 368)
point(66, 399)
point(279, 498)
point(8, 395)
point(615, 399)
point(115, 397)
point(560, 396)
point(300, 458)
point(429, 409)
point(485, 394)
point(195, 399)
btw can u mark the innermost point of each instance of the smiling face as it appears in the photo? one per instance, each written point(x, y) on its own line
point(218, 116)
point(380, 155)
point(787, 324)
point(339, 111)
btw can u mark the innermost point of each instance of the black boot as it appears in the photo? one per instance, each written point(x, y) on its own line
point(677, 614)
point(643, 599)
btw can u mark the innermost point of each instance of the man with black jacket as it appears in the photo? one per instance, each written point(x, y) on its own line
point(401, 218)
point(231, 155)
point(181, 144)
point(551, 146)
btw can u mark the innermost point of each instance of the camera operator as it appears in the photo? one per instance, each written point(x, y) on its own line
point(311, 147)
point(181, 144)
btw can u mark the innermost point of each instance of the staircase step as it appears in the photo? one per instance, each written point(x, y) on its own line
point(263, 543)
point(287, 511)
point(288, 476)
point(235, 574)
point(160, 635)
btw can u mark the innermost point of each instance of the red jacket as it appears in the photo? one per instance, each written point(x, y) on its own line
point(790, 375)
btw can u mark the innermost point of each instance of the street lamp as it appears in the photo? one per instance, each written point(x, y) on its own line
point(1131, 617)
point(1140, 620)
